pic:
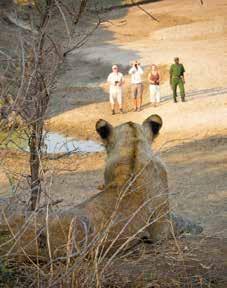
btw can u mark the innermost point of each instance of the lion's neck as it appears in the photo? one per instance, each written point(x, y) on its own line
point(122, 173)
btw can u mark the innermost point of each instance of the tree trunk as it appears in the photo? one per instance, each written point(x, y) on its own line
point(35, 158)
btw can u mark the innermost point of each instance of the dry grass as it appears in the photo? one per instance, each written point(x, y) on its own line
point(180, 262)
point(176, 263)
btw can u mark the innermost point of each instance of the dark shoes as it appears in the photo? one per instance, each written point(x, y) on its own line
point(121, 111)
point(175, 100)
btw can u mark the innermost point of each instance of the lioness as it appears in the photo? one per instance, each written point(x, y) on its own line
point(133, 205)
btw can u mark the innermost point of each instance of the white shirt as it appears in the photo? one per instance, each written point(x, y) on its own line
point(113, 77)
point(136, 74)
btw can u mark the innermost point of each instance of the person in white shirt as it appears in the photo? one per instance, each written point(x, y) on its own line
point(136, 73)
point(115, 80)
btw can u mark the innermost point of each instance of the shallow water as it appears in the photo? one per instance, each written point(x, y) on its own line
point(57, 143)
point(53, 143)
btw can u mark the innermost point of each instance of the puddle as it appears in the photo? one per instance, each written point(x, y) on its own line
point(53, 143)
point(57, 143)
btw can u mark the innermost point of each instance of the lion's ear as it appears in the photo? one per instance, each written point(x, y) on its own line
point(104, 128)
point(153, 124)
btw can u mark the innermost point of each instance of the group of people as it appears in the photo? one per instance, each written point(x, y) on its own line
point(116, 82)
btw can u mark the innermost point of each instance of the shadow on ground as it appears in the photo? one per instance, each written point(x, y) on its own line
point(198, 94)
point(197, 179)
point(192, 262)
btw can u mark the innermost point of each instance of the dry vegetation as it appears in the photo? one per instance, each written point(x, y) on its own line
point(181, 262)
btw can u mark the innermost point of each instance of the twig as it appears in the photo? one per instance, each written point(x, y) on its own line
point(48, 243)
point(83, 5)
point(145, 11)
point(83, 40)
point(61, 155)
point(56, 202)
point(64, 19)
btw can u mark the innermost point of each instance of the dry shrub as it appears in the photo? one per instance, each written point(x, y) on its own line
point(178, 262)
point(187, 263)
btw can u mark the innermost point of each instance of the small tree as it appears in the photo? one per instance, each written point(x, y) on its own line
point(41, 54)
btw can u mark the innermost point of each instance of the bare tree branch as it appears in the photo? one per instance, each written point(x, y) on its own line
point(81, 42)
point(145, 11)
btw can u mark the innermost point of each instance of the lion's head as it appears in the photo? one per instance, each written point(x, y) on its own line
point(128, 146)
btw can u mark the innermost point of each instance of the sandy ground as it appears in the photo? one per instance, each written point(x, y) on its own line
point(196, 33)
point(193, 141)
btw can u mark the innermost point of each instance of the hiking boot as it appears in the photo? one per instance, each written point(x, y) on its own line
point(113, 112)
point(138, 109)
point(121, 111)
point(175, 101)
point(135, 109)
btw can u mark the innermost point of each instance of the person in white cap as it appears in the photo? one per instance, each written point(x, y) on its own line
point(136, 73)
point(115, 80)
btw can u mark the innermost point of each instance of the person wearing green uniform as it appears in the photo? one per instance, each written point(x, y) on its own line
point(177, 79)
